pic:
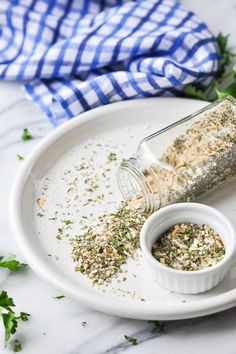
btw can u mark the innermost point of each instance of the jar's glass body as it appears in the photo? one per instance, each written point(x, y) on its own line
point(183, 160)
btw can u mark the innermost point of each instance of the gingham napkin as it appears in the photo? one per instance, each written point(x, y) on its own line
point(80, 54)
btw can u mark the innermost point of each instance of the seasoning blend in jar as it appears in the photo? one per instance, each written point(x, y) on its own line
point(188, 246)
point(183, 160)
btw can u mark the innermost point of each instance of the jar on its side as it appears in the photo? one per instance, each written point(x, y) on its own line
point(184, 160)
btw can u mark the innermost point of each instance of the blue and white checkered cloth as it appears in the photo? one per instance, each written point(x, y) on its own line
point(80, 54)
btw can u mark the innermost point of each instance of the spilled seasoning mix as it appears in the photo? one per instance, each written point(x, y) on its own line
point(189, 247)
point(101, 250)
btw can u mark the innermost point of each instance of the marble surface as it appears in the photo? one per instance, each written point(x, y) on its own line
point(55, 326)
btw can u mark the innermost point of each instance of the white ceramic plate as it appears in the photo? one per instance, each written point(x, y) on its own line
point(53, 170)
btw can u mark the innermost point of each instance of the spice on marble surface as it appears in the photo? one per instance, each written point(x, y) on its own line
point(158, 327)
point(59, 297)
point(131, 340)
point(20, 157)
point(101, 250)
point(189, 247)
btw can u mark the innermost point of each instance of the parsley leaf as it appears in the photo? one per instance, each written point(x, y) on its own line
point(6, 301)
point(225, 78)
point(10, 324)
point(131, 340)
point(67, 222)
point(192, 92)
point(158, 327)
point(17, 346)
point(59, 297)
point(11, 263)
point(222, 41)
point(20, 157)
point(229, 90)
point(24, 316)
point(9, 318)
point(226, 54)
point(25, 135)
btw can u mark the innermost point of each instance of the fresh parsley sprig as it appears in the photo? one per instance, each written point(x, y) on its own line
point(225, 82)
point(8, 315)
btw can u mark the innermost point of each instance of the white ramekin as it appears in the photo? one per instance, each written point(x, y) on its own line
point(188, 282)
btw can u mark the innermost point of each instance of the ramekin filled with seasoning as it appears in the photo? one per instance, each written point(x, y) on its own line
point(189, 246)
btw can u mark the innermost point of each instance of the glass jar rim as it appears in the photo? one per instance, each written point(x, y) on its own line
point(129, 177)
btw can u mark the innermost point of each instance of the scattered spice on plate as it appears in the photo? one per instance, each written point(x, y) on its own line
point(68, 222)
point(41, 201)
point(101, 250)
point(189, 247)
point(112, 157)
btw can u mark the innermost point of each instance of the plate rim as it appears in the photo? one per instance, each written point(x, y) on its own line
point(147, 311)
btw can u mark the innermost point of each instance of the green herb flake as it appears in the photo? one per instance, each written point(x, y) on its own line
point(158, 327)
point(20, 157)
point(112, 157)
point(25, 135)
point(59, 297)
point(131, 340)
point(24, 316)
point(67, 222)
point(84, 324)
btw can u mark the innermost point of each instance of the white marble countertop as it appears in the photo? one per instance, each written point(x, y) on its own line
point(55, 325)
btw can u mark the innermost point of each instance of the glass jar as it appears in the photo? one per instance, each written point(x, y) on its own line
point(184, 160)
